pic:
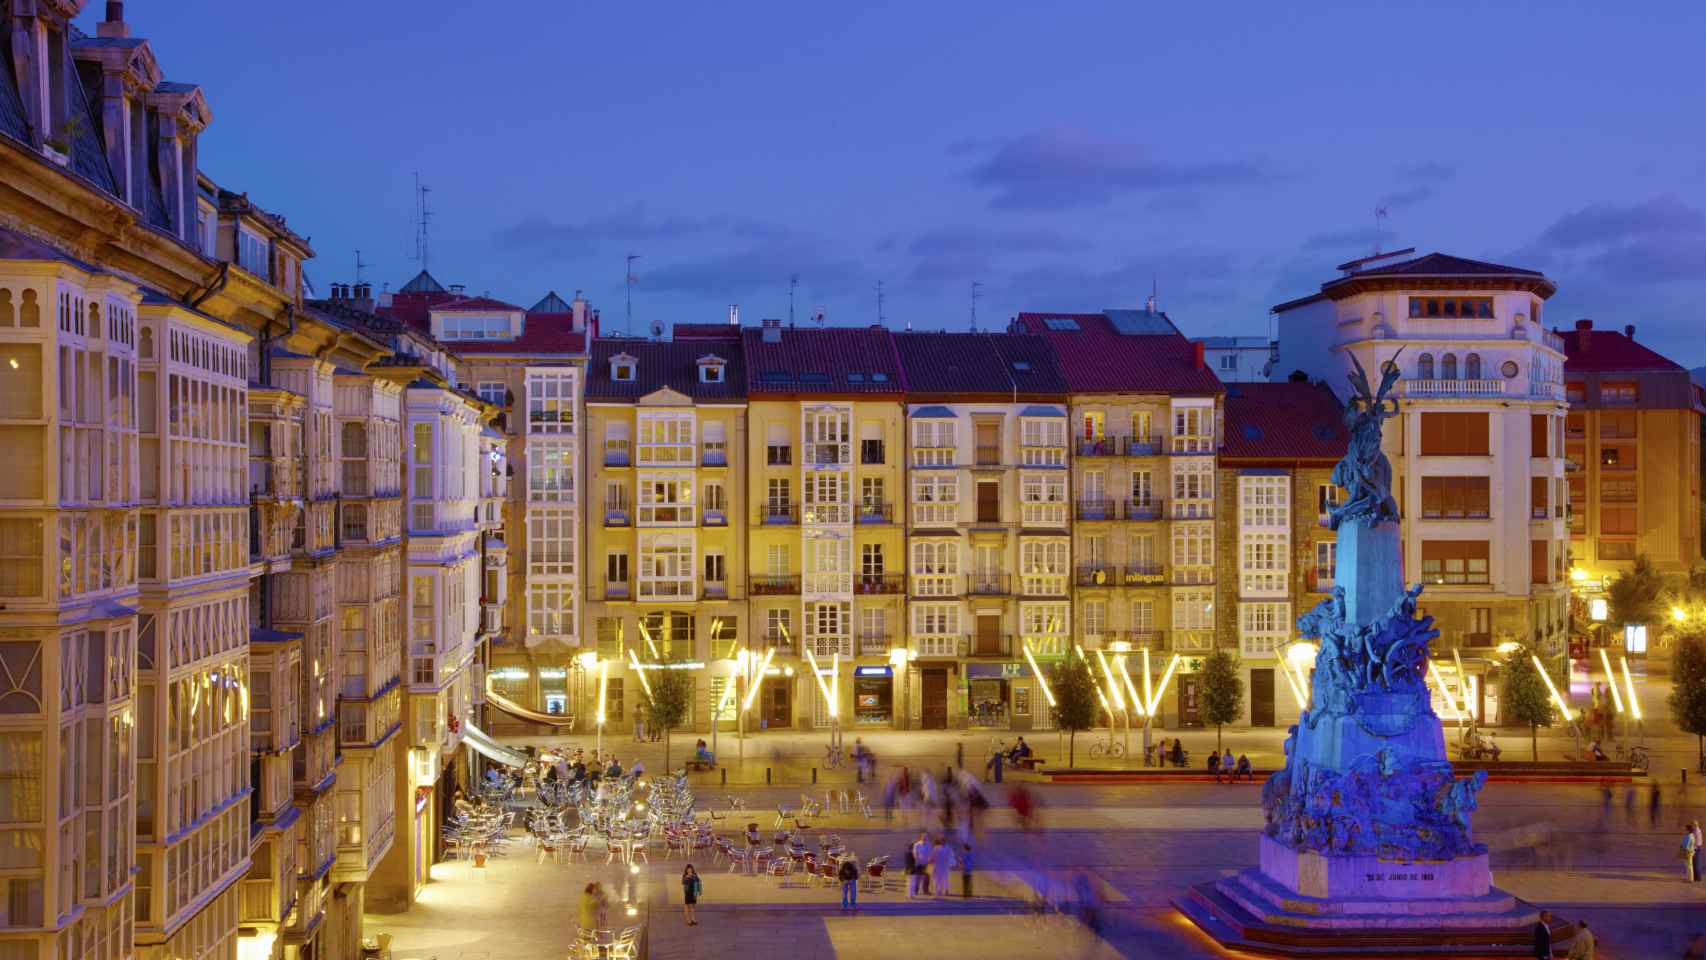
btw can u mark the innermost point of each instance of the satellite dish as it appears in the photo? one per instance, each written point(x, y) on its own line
point(657, 329)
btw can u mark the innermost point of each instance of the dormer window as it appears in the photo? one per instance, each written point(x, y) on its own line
point(711, 369)
point(622, 367)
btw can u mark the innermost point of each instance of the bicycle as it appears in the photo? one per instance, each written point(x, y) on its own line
point(833, 756)
point(1111, 749)
point(1638, 756)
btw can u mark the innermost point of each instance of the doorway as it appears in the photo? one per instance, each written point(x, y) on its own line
point(778, 703)
point(989, 501)
point(988, 635)
point(934, 694)
point(1190, 702)
point(1262, 697)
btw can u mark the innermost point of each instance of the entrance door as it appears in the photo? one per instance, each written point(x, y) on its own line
point(935, 700)
point(988, 635)
point(1190, 702)
point(989, 501)
point(778, 704)
point(1262, 697)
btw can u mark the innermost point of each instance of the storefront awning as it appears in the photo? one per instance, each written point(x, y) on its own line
point(997, 671)
point(485, 746)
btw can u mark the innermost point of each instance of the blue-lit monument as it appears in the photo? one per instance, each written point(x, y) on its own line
point(1368, 843)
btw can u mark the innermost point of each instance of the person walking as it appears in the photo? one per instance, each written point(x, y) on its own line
point(917, 856)
point(1653, 806)
point(1543, 936)
point(1689, 852)
point(849, 877)
point(1699, 842)
point(965, 870)
point(941, 866)
point(589, 909)
point(1582, 948)
point(690, 888)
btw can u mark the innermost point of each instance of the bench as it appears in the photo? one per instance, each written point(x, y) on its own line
point(696, 764)
point(1029, 763)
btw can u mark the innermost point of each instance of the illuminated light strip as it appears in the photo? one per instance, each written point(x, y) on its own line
point(728, 691)
point(1041, 682)
point(1291, 681)
point(1563, 707)
point(1303, 684)
point(752, 683)
point(1611, 675)
point(1634, 703)
point(603, 674)
point(1113, 688)
point(1148, 688)
point(1450, 700)
point(824, 687)
point(1463, 681)
point(648, 635)
point(1130, 690)
point(644, 683)
point(1161, 689)
point(834, 684)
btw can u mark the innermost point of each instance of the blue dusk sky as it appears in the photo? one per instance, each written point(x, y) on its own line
point(1063, 155)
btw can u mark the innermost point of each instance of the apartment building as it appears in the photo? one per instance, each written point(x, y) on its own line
point(667, 502)
point(1278, 556)
point(1145, 425)
point(531, 365)
point(1239, 359)
point(1632, 445)
point(1478, 444)
point(987, 524)
point(825, 448)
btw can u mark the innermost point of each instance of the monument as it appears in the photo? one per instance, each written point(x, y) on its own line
point(1368, 847)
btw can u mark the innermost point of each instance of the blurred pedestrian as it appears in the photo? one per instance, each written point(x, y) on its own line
point(690, 889)
point(917, 856)
point(1653, 806)
point(965, 870)
point(1543, 937)
point(1214, 765)
point(1699, 842)
point(1582, 948)
point(1689, 850)
point(941, 866)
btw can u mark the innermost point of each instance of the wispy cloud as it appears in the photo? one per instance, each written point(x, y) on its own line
point(545, 236)
point(1060, 169)
point(1421, 182)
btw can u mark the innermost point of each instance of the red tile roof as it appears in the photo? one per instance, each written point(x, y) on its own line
point(822, 360)
point(474, 303)
point(1283, 421)
point(546, 333)
point(704, 331)
point(1096, 358)
point(1610, 350)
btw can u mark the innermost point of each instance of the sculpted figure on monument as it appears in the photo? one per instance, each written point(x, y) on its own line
point(1365, 473)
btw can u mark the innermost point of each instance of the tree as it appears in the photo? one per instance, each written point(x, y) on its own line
point(1688, 687)
point(1637, 595)
point(1074, 700)
point(1222, 691)
point(1526, 695)
point(667, 700)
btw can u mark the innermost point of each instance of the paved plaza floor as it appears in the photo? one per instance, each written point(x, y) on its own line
point(1558, 846)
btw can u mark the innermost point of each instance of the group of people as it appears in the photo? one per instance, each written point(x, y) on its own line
point(1222, 765)
point(930, 865)
point(580, 766)
point(955, 802)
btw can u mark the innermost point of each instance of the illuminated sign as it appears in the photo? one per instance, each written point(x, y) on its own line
point(873, 671)
point(1635, 637)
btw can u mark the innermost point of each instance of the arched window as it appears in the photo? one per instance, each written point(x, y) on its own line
point(1472, 367)
point(1448, 367)
point(1425, 367)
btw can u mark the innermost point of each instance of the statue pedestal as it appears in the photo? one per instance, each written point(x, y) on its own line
point(1393, 722)
point(1355, 878)
point(1371, 570)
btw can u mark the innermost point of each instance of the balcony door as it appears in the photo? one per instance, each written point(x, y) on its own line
point(989, 501)
point(988, 642)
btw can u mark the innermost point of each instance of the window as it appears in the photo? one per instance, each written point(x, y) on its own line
point(871, 451)
point(615, 497)
point(871, 560)
point(1455, 498)
point(666, 500)
point(616, 445)
point(1425, 367)
point(1193, 552)
point(1539, 490)
point(493, 392)
point(616, 567)
point(252, 254)
point(1142, 488)
point(1193, 488)
point(935, 498)
point(1264, 563)
point(551, 472)
point(1616, 550)
point(1454, 434)
point(1326, 564)
point(666, 568)
point(1327, 496)
point(1480, 623)
point(1263, 627)
point(551, 610)
point(716, 568)
point(1142, 616)
point(1472, 367)
point(1454, 561)
point(779, 498)
point(1228, 361)
point(715, 438)
point(935, 568)
point(778, 454)
point(1537, 432)
point(1042, 441)
point(1448, 367)
point(1618, 457)
point(1093, 426)
point(871, 494)
point(1619, 393)
point(1193, 610)
point(715, 503)
point(1193, 429)
point(935, 619)
point(778, 624)
point(421, 459)
point(550, 542)
point(1264, 501)
point(1617, 520)
point(776, 560)
point(1539, 562)
point(711, 370)
point(1042, 567)
point(932, 443)
point(1613, 490)
point(1575, 394)
point(1096, 617)
point(827, 498)
point(1475, 308)
point(666, 439)
point(1042, 499)
point(550, 401)
point(458, 327)
point(622, 368)
point(20, 558)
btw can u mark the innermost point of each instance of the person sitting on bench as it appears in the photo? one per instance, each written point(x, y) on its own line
point(703, 755)
point(1020, 753)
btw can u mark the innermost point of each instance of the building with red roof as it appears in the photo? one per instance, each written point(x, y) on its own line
point(1632, 440)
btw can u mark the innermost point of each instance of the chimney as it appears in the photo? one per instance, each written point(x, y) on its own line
point(577, 313)
point(734, 314)
point(772, 331)
point(592, 325)
point(1196, 355)
point(1629, 331)
point(113, 25)
point(1150, 303)
point(1584, 334)
point(363, 296)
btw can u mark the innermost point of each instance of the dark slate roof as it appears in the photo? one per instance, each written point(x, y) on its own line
point(978, 363)
point(1444, 265)
point(1094, 357)
point(19, 246)
point(822, 360)
point(422, 283)
point(1283, 421)
point(664, 363)
point(1610, 350)
point(476, 303)
point(551, 303)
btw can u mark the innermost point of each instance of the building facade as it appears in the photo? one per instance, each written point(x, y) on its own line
point(1478, 445)
point(1239, 359)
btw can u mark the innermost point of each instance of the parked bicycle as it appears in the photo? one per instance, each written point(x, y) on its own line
point(834, 756)
point(1109, 749)
point(1639, 758)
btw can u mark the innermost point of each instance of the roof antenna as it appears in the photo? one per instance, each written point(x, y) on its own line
point(359, 265)
point(1154, 298)
point(881, 320)
point(1379, 226)
point(423, 220)
point(793, 284)
point(628, 288)
point(975, 288)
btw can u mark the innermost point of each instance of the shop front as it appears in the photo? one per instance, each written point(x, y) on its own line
point(873, 696)
point(999, 696)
